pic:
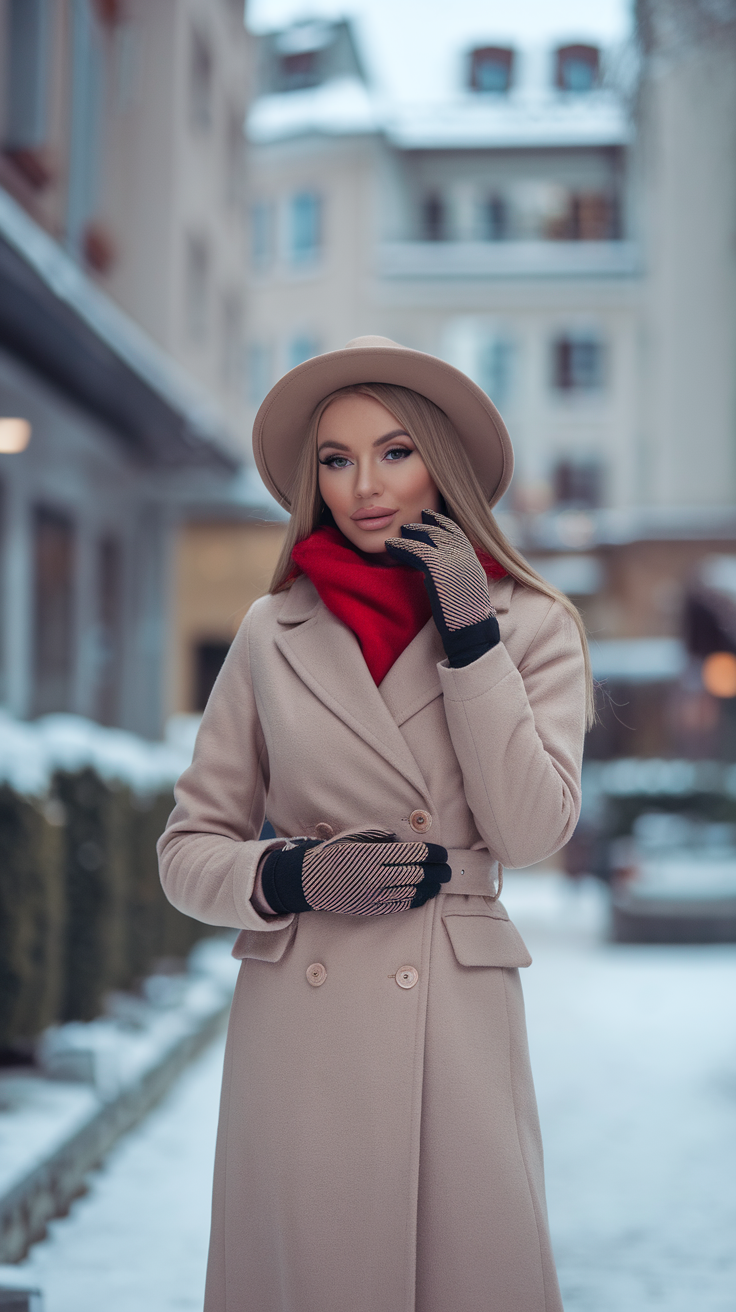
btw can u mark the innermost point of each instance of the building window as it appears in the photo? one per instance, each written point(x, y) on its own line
point(495, 368)
point(494, 216)
point(299, 70)
point(434, 217)
point(232, 344)
point(54, 566)
point(578, 483)
point(491, 69)
point(305, 227)
point(88, 72)
point(577, 363)
point(578, 68)
point(262, 228)
point(200, 83)
point(109, 629)
point(209, 658)
point(584, 216)
point(259, 372)
point(299, 55)
point(234, 159)
point(27, 73)
point(301, 347)
point(197, 289)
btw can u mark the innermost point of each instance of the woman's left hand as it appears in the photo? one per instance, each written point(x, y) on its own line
point(456, 583)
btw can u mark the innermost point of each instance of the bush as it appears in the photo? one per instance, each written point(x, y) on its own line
point(32, 913)
point(82, 910)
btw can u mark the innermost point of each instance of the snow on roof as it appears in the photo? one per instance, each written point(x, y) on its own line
point(415, 53)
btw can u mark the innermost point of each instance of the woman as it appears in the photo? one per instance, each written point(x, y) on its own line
point(408, 709)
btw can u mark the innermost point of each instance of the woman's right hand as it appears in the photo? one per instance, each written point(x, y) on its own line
point(365, 874)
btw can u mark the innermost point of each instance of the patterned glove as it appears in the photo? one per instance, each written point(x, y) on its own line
point(456, 583)
point(365, 874)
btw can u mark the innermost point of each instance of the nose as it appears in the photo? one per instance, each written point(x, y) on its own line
point(368, 482)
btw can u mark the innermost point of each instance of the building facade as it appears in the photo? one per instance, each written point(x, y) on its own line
point(549, 206)
point(490, 225)
point(122, 132)
point(121, 138)
point(103, 446)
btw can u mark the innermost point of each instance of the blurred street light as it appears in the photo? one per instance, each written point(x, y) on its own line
point(719, 674)
point(15, 434)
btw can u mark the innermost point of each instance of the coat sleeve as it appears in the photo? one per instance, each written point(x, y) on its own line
point(518, 736)
point(210, 850)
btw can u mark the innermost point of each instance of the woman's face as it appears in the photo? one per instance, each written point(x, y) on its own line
point(371, 475)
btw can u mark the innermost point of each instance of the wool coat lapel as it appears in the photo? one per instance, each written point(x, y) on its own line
point(413, 680)
point(326, 656)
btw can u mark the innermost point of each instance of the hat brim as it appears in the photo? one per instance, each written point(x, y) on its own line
point(283, 418)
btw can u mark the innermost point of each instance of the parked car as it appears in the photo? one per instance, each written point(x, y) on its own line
point(673, 880)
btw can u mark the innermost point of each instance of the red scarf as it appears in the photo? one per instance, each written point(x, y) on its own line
point(384, 605)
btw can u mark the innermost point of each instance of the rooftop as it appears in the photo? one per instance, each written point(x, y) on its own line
point(410, 78)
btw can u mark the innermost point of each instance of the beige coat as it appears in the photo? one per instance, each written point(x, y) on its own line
point(378, 1147)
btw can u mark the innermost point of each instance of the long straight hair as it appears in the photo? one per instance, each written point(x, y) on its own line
point(438, 444)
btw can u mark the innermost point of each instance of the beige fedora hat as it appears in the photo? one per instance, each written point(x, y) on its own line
point(282, 421)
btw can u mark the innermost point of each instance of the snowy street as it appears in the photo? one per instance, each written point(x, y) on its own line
point(635, 1064)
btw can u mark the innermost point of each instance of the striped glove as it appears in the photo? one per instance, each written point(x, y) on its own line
point(365, 874)
point(456, 583)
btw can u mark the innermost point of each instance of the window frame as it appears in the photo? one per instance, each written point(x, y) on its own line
point(567, 376)
point(584, 54)
point(504, 57)
point(304, 254)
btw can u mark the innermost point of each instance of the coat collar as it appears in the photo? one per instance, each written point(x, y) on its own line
point(301, 601)
point(325, 655)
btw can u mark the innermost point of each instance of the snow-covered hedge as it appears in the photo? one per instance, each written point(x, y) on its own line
point(81, 907)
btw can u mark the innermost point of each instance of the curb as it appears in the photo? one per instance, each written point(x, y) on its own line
point(48, 1190)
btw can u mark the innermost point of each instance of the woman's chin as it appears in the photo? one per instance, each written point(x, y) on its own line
point(370, 542)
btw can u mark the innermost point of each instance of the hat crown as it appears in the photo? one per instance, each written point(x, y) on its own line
point(370, 342)
point(284, 417)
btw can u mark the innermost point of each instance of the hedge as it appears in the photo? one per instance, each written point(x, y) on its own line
point(81, 907)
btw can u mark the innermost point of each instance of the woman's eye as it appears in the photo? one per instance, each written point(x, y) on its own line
point(397, 453)
point(335, 462)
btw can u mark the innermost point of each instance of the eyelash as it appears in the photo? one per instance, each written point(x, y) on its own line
point(394, 450)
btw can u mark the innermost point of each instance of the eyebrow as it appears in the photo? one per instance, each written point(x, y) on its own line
point(387, 437)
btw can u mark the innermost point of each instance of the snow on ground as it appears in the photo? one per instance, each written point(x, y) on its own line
point(635, 1064)
point(137, 1242)
point(38, 1114)
point(634, 1057)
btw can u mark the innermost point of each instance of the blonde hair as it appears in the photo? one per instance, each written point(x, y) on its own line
point(438, 444)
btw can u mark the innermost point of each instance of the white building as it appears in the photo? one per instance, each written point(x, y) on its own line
point(457, 179)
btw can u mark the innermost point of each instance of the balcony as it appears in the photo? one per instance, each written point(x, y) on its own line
point(508, 259)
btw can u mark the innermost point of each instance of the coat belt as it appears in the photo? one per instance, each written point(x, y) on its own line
point(473, 872)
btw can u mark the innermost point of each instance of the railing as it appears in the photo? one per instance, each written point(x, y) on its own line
point(508, 259)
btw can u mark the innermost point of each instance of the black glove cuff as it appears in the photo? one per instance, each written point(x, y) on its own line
point(463, 646)
point(281, 878)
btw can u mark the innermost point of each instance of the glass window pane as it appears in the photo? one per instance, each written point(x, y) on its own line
point(301, 347)
point(305, 226)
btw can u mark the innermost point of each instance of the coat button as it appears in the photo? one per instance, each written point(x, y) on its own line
point(407, 977)
point(420, 821)
point(316, 974)
point(323, 831)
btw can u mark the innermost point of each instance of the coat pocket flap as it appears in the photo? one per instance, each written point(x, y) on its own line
point(486, 941)
point(263, 945)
